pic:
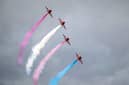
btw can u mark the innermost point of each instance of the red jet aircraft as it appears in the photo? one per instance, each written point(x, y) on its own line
point(49, 11)
point(66, 39)
point(62, 22)
point(79, 58)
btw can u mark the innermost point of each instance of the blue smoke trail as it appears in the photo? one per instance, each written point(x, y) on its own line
point(56, 79)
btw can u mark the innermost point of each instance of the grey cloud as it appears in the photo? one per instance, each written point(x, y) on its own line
point(98, 29)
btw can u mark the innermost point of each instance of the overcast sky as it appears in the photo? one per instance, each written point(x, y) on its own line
point(98, 29)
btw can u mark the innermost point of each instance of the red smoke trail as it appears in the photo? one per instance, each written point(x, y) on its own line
point(27, 37)
point(43, 62)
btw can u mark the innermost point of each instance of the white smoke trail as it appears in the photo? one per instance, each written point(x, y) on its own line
point(37, 48)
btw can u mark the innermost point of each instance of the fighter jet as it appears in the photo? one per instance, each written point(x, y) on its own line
point(49, 11)
point(66, 39)
point(79, 58)
point(62, 23)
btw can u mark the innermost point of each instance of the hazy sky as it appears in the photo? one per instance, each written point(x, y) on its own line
point(98, 29)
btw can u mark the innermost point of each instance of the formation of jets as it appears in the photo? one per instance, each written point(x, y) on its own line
point(67, 39)
point(62, 23)
point(47, 37)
